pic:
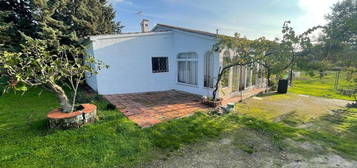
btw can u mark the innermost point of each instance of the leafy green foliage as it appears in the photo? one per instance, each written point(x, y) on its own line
point(56, 54)
point(36, 66)
point(74, 19)
point(342, 23)
point(16, 16)
point(337, 46)
point(275, 56)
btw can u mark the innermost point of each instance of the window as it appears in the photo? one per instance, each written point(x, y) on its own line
point(187, 68)
point(159, 64)
point(208, 77)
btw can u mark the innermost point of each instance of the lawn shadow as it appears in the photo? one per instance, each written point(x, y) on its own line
point(337, 131)
point(39, 127)
point(268, 94)
point(335, 118)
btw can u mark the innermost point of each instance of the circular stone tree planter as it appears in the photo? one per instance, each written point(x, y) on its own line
point(58, 119)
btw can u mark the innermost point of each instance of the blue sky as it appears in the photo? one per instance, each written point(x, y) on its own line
point(250, 18)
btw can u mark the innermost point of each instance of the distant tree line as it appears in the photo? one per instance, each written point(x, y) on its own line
point(336, 47)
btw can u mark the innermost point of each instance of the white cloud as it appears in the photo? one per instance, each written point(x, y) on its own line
point(315, 11)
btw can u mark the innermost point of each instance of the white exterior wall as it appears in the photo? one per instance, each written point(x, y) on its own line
point(91, 79)
point(190, 42)
point(129, 58)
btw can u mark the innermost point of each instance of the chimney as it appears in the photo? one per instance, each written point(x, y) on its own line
point(144, 26)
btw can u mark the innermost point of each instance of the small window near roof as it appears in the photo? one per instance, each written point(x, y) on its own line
point(160, 64)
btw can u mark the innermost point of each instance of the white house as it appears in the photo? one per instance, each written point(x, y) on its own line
point(165, 58)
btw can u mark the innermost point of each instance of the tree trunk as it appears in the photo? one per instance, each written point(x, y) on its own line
point(216, 86)
point(268, 78)
point(62, 97)
point(291, 77)
point(321, 74)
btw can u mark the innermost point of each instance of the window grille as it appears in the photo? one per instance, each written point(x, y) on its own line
point(160, 64)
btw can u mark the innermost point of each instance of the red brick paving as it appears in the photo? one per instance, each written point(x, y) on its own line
point(147, 109)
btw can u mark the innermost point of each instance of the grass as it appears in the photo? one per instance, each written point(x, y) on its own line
point(323, 88)
point(289, 108)
point(112, 141)
point(339, 131)
point(281, 115)
point(115, 141)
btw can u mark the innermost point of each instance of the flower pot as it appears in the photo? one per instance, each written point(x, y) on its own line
point(59, 119)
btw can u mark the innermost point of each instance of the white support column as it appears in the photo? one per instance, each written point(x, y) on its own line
point(245, 77)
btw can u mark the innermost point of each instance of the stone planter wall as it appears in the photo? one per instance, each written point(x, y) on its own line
point(58, 119)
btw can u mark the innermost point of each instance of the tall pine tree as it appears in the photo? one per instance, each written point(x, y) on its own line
point(75, 19)
point(16, 16)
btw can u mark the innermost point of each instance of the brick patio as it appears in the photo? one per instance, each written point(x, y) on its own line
point(147, 109)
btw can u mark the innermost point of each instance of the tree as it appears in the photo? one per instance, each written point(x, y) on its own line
point(276, 56)
point(285, 53)
point(245, 52)
point(314, 60)
point(342, 26)
point(87, 17)
point(55, 55)
point(80, 18)
point(15, 16)
point(340, 38)
point(35, 66)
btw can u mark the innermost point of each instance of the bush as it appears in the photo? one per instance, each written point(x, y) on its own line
point(310, 73)
point(110, 106)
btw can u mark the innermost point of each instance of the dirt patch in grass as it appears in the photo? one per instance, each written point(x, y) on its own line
point(292, 109)
point(278, 131)
point(248, 148)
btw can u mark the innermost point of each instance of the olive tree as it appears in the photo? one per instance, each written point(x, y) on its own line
point(35, 65)
point(245, 53)
point(275, 56)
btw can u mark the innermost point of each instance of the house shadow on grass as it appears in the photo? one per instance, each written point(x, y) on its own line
point(268, 94)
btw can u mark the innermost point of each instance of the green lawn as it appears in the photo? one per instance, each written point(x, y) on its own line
point(112, 141)
point(115, 141)
point(323, 88)
point(307, 118)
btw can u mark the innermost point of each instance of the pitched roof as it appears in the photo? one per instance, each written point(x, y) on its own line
point(158, 29)
point(185, 29)
point(106, 36)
